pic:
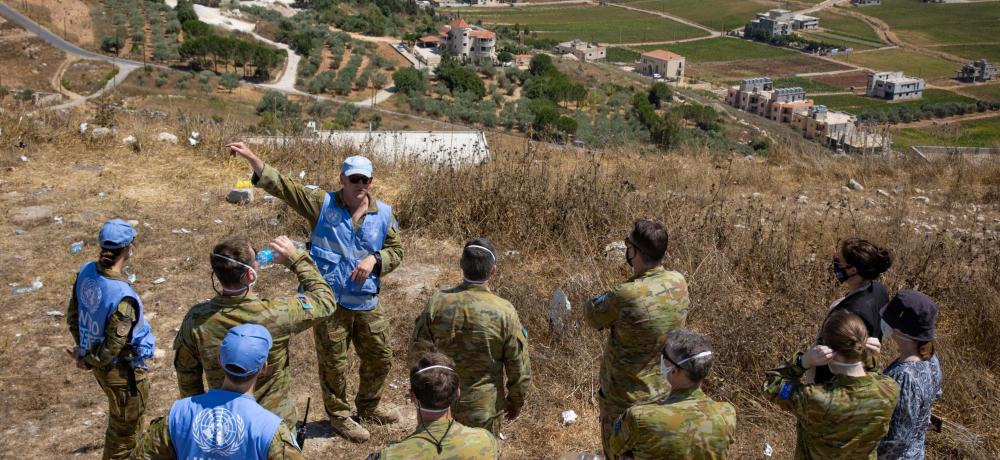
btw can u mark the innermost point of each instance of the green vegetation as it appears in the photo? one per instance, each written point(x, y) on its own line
point(716, 14)
point(203, 45)
point(841, 41)
point(122, 20)
point(971, 133)
point(939, 23)
point(856, 104)
point(990, 52)
point(809, 85)
point(984, 92)
point(722, 49)
point(910, 62)
point(586, 22)
point(626, 55)
point(847, 26)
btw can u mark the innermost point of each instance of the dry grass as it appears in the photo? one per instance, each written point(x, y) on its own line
point(757, 266)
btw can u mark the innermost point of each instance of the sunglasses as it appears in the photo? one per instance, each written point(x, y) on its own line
point(359, 179)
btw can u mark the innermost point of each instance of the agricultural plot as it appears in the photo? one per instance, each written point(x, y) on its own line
point(985, 92)
point(141, 30)
point(810, 85)
point(603, 24)
point(786, 66)
point(990, 52)
point(911, 63)
point(857, 104)
point(716, 14)
point(844, 81)
point(343, 66)
point(971, 133)
point(722, 49)
point(86, 77)
point(844, 31)
point(939, 23)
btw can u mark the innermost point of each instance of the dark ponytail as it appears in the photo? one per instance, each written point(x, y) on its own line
point(869, 259)
point(109, 257)
point(925, 350)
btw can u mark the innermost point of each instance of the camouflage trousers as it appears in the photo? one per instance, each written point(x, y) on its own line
point(369, 332)
point(609, 414)
point(479, 409)
point(125, 412)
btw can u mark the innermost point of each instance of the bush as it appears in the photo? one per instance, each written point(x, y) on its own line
point(660, 93)
point(409, 81)
point(112, 44)
point(460, 79)
point(229, 81)
point(346, 114)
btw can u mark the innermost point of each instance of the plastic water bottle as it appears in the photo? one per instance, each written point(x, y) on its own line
point(265, 257)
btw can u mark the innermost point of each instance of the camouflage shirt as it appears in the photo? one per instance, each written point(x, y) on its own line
point(156, 444)
point(309, 204)
point(842, 419)
point(206, 324)
point(483, 334)
point(116, 331)
point(687, 424)
point(457, 442)
point(640, 313)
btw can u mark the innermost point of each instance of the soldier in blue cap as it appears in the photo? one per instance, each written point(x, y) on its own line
point(227, 422)
point(355, 242)
point(113, 339)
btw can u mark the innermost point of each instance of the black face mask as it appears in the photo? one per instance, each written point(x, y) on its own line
point(840, 273)
point(628, 259)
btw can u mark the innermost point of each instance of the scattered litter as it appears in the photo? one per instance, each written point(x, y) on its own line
point(244, 183)
point(58, 220)
point(180, 231)
point(19, 232)
point(195, 134)
point(510, 253)
point(855, 185)
point(75, 248)
point(167, 137)
point(101, 196)
point(36, 286)
point(845, 189)
point(130, 139)
point(193, 141)
point(55, 313)
point(615, 246)
point(302, 174)
point(393, 386)
point(567, 417)
point(83, 127)
point(311, 187)
point(159, 280)
point(24, 158)
point(131, 278)
point(217, 221)
point(133, 222)
point(503, 437)
point(802, 199)
point(268, 198)
point(768, 450)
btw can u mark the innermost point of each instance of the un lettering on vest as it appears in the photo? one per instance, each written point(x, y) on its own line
point(92, 316)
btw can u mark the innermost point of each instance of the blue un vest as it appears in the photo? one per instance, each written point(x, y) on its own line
point(338, 249)
point(97, 298)
point(221, 424)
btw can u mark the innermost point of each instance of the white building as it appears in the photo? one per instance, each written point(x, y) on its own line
point(664, 63)
point(783, 22)
point(468, 43)
point(584, 51)
point(894, 86)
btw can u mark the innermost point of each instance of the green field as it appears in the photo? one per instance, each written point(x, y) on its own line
point(716, 14)
point(939, 23)
point(844, 31)
point(586, 22)
point(622, 55)
point(857, 104)
point(973, 133)
point(989, 52)
point(984, 92)
point(911, 63)
point(721, 50)
point(811, 86)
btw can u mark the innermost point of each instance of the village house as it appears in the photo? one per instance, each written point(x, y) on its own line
point(584, 51)
point(820, 122)
point(522, 61)
point(894, 86)
point(465, 42)
point(866, 2)
point(782, 22)
point(758, 96)
point(662, 63)
point(978, 71)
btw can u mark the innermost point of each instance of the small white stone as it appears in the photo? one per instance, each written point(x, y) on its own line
point(855, 185)
point(882, 193)
point(167, 137)
point(802, 199)
point(159, 280)
point(567, 417)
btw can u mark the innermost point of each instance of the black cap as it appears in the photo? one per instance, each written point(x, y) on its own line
point(913, 314)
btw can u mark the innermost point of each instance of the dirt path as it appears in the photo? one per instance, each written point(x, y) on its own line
point(712, 33)
point(56, 80)
point(887, 35)
point(949, 120)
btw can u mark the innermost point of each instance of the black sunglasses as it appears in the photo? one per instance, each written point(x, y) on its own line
point(359, 179)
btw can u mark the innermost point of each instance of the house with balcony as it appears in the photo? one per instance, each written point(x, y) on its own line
point(782, 22)
point(468, 43)
point(894, 86)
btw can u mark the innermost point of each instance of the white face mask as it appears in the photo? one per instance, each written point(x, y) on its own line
point(248, 286)
point(886, 331)
point(664, 369)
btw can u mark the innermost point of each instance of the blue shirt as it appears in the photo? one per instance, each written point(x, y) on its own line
point(919, 386)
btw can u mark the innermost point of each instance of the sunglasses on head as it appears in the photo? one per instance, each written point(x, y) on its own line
point(359, 179)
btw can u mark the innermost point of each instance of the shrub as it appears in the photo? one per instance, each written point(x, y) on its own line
point(409, 81)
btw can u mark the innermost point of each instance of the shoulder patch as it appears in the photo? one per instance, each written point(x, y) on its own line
point(524, 332)
point(122, 329)
point(599, 299)
point(305, 302)
point(786, 391)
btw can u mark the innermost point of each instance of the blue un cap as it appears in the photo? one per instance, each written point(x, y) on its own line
point(244, 349)
point(357, 165)
point(116, 234)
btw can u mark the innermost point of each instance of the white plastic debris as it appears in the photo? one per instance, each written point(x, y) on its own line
point(130, 139)
point(131, 278)
point(217, 221)
point(24, 158)
point(76, 247)
point(36, 286)
point(393, 386)
point(503, 437)
point(193, 141)
point(55, 313)
point(567, 417)
point(195, 134)
point(559, 309)
point(58, 220)
point(180, 231)
point(302, 174)
point(268, 198)
point(768, 450)
point(159, 353)
point(311, 187)
point(615, 246)
point(83, 127)
point(160, 280)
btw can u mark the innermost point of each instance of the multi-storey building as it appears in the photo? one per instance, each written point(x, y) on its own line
point(664, 63)
point(782, 22)
point(894, 86)
point(978, 71)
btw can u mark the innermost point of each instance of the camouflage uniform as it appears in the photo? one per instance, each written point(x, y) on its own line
point(458, 442)
point(206, 324)
point(125, 412)
point(155, 443)
point(640, 313)
point(482, 333)
point(368, 330)
point(687, 424)
point(842, 419)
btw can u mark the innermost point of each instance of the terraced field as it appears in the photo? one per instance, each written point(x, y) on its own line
point(929, 24)
point(587, 22)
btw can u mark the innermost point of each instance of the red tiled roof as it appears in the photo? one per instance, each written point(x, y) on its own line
point(430, 38)
point(662, 54)
point(484, 34)
point(459, 24)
